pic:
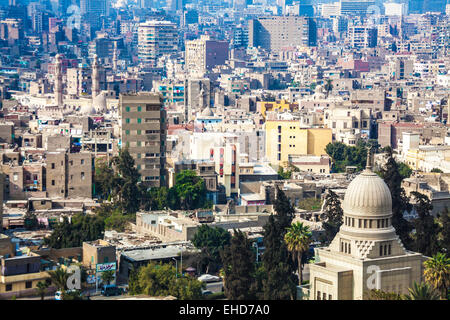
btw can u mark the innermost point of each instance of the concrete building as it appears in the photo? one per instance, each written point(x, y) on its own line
point(205, 53)
point(143, 131)
point(156, 38)
point(98, 252)
point(278, 32)
point(285, 138)
point(366, 253)
point(362, 37)
point(227, 160)
point(69, 175)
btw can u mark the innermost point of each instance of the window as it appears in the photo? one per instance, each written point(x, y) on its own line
point(53, 166)
point(127, 120)
point(8, 287)
point(324, 296)
point(330, 297)
point(127, 109)
point(28, 285)
point(139, 120)
point(127, 132)
point(53, 182)
point(82, 176)
point(82, 161)
point(139, 109)
point(318, 295)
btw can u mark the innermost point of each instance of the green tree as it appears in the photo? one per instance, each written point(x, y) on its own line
point(343, 155)
point(444, 236)
point(333, 217)
point(426, 229)
point(238, 266)
point(72, 234)
point(129, 193)
point(31, 221)
point(437, 170)
point(279, 282)
point(404, 170)
point(108, 276)
point(297, 239)
point(160, 280)
point(421, 291)
point(72, 295)
point(400, 202)
point(106, 181)
point(285, 211)
point(210, 241)
point(190, 190)
point(284, 174)
point(41, 288)
point(437, 273)
point(59, 278)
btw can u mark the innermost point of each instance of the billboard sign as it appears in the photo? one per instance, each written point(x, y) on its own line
point(102, 267)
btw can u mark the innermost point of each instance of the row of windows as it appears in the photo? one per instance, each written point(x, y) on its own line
point(147, 108)
point(346, 247)
point(385, 249)
point(367, 223)
point(323, 296)
point(138, 132)
point(147, 120)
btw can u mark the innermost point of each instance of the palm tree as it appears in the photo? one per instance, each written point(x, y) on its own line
point(41, 288)
point(108, 276)
point(59, 278)
point(421, 291)
point(297, 239)
point(437, 273)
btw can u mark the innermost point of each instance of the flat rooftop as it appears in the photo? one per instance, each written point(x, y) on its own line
point(153, 253)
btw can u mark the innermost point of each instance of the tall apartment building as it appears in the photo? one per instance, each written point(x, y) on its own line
point(285, 138)
point(92, 10)
point(278, 32)
point(156, 38)
point(356, 7)
point(362, 37)
point(227, 160)
point(69, 175)
point(143, 121)
point(204, 53)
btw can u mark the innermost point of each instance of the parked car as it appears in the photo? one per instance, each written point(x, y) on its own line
point(111, 290)
point(209, 278)
point(206, 292)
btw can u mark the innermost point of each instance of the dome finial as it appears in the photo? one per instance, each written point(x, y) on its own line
point(369, 164)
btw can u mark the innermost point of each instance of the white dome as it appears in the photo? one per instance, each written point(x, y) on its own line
point(87, 109)
point(368, 195)
point(99, 103)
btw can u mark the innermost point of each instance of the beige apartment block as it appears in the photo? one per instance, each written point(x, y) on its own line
point(143, 121)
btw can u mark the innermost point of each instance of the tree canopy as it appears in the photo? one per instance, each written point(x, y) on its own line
point(239, 266)
point(161, 280)
point(210, 241)
point(72, 234)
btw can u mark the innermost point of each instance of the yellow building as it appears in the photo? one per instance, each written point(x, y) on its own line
point(285, 138)
point(280, 106)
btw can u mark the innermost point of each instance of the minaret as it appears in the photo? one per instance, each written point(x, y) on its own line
point(95, 78)
point(115, 57)
point(58, 82)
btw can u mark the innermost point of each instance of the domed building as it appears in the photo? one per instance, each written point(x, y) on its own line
point(366, 252)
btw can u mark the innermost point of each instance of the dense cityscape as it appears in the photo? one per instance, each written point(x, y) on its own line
point(224, 150)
